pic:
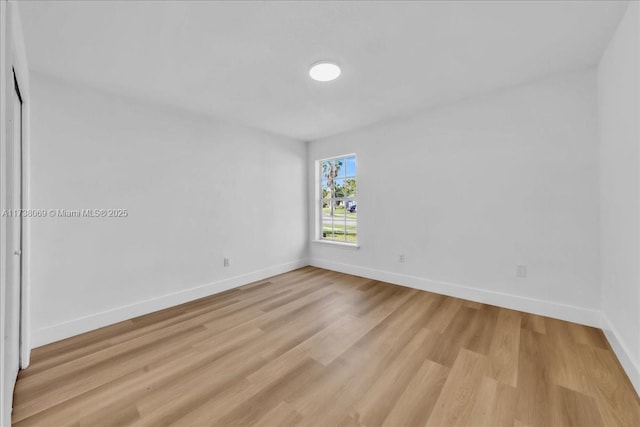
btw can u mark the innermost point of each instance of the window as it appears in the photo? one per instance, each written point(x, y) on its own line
point(338, 207)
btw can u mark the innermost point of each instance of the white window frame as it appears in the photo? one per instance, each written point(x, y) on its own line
point(319, 199)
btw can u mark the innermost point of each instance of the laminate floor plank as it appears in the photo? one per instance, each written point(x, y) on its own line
point(455, 402)
point(414, 406)
point(374, 406)
point(503, 355)
point(315, 347)
point(495, 405)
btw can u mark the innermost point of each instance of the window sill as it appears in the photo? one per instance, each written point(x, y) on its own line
point(340, 244)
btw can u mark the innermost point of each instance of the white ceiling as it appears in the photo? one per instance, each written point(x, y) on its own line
point(247, 62)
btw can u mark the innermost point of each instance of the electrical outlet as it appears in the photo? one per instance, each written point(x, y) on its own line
point(401, 258)
point(226, 262)
point(521, 271)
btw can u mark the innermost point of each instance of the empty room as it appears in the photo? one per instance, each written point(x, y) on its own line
point(320, 213)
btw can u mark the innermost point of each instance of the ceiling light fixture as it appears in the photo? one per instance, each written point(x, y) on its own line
point(324, 71)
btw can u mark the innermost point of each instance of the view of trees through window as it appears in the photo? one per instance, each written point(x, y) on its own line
point(339, 210)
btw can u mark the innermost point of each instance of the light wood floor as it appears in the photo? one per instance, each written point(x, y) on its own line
point(315, 347)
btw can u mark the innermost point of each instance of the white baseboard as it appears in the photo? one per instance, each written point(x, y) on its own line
point(630, 366)
point(556, 310)
point(88, 323)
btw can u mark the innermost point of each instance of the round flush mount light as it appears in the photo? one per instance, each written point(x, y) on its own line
point(324, 71)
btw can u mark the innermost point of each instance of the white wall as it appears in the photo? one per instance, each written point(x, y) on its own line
point(619, 119)
point(470, 190)
point(197, 191)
